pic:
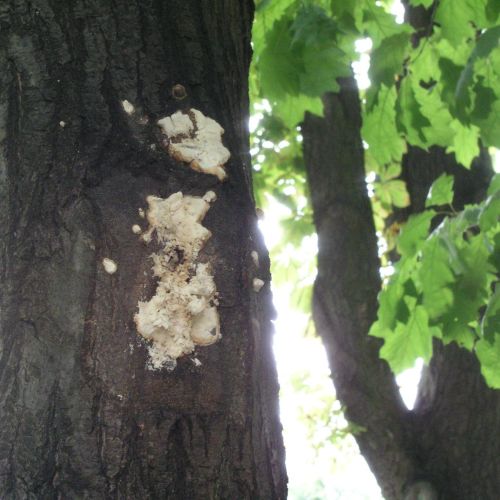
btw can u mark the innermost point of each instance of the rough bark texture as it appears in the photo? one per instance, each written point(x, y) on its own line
point(346, 288)
point(445, 448)
point(81, 415)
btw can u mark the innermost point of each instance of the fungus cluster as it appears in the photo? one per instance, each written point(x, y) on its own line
point(183, 311)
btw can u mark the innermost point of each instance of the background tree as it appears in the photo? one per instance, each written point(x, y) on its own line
point(434, 89)
point(82, 87)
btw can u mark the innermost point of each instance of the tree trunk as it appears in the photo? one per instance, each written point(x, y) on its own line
point(447, 447)
point(82, 86)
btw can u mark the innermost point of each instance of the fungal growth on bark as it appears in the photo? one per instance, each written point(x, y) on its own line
point(195, 139)
point(109, 265)
point(183, 312)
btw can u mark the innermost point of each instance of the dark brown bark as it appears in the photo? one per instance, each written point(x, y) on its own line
point(447, 446)
point(81, 415)
point(346, 288)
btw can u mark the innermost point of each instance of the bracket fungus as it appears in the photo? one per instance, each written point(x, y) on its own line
point(183, 311)
point(195, 139)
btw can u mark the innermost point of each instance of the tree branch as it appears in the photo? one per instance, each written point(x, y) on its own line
point(346, 288)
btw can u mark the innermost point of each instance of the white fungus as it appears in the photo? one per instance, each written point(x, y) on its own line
point(109, 265)
point(183, 311)
point(255, 258)
point(128, 107)
point(62, 124)
point(257, 284)
point(136, 229)
point(197, 140)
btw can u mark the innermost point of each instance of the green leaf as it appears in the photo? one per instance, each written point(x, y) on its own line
point(391, 172)
point(380, 131)
point(387, 59)
point(266, 13)
point(456, 331)
point(392, 193)
point(489, 125)
point(490, 324)
point(424, 3)
point(391, 307)
point(493, 11)
point(399, 195)
point(380, 25)
point(489, 357)
point(470, 288)
point(414, 232)
point(456, 17)
point(437, 112)
point(490, 213)
point(312, 26)
point(441, 191)
point(291, 109)
point(465, 143)
point(494, 185)
point(488, 41)
point(300, 62)
point(280, 64)
point(349, 12)
point(450, 73)
point(409, 116)
point(409, 341)
point(323, 64)
point(435, 277)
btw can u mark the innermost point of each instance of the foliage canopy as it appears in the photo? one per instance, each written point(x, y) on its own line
point(438, 88)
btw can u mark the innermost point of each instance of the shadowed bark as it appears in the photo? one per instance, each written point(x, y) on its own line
point(346, 288)
point(81, 415)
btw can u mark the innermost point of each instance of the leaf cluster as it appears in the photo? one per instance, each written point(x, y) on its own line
point(438, 88)
point(446, 285)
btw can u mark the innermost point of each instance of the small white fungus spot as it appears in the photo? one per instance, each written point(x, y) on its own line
point(196, 362)
point(62, 124)
point(257, 285)
point(109, 265)
point(141, 213)
point(210, 197)
point(255, 258)
point(136, 229)
point(197, 140)
point(128, 107)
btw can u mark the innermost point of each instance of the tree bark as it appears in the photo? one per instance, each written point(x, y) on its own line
point(446, 447)
point(347, 284)
point(82, 416)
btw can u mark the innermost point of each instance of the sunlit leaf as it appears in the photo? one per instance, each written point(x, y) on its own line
point(465, 143)
point(424, 3)
point(414, 232)
point(441, 191)
point(456, 16)
point(380, 131)
point(488, 354)
point(409, 341)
